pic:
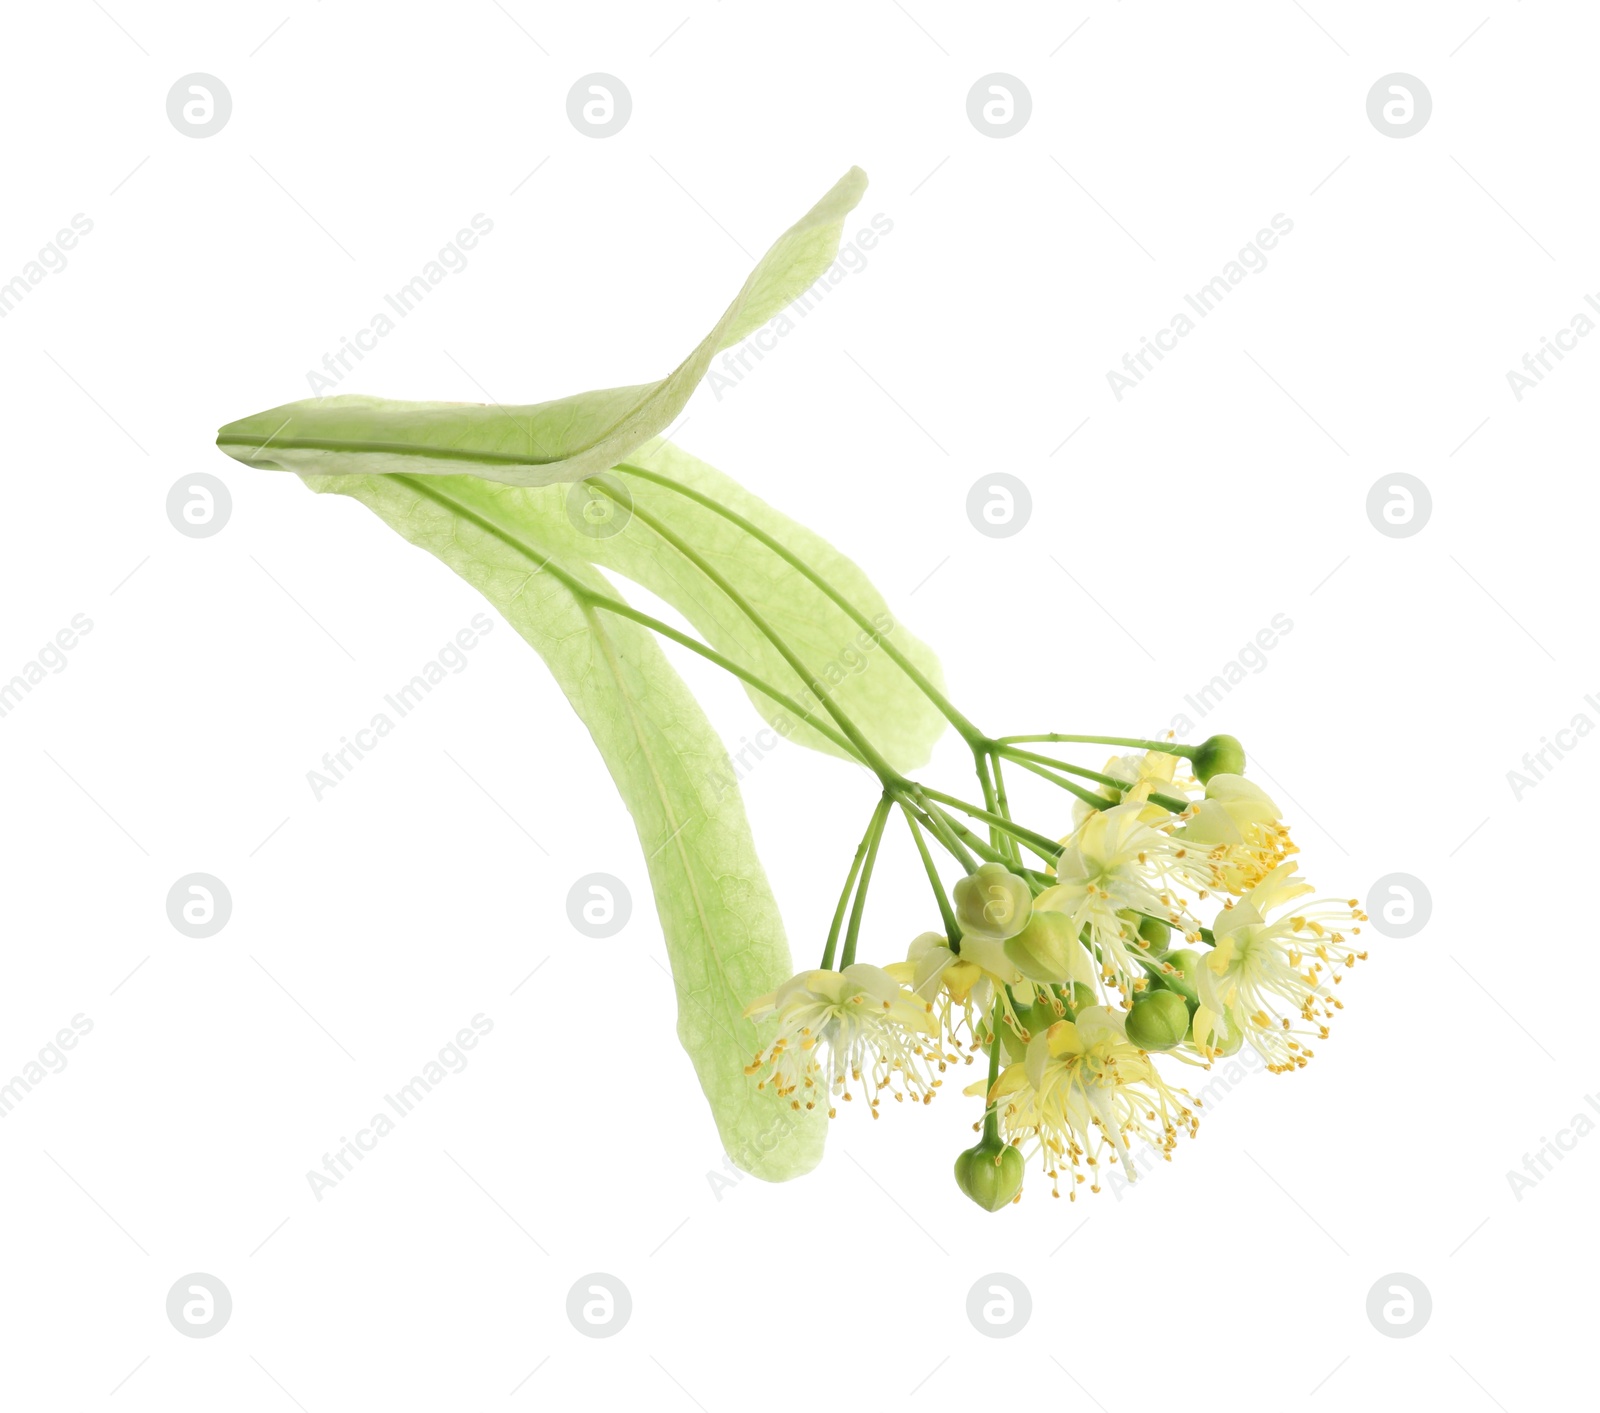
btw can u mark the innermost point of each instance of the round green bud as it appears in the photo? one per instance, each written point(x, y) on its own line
point(1040, 1016)
point(1155, 932)
point(1150, 933)
point(1078, 997)
point(990, 1174)
point(993, 903)
point(1013, 1047)
point(1158, 1020)
point(1185, 963)
point(1186, 960)
point(1042, 950)
point(1218, 755)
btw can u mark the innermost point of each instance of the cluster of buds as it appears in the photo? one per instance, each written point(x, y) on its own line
point(1169, 927)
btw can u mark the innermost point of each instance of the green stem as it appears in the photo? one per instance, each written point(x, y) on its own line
point(666, 630)
point(980, 763)
point(886, 773)
point(844, 899)
point(1047, 849)
point(874, 838)
point(991, 1114)
point(997, 837)
point(584, 594)
point(1099, 802)
point(932, 818)
point(1169, 802)
point(944, 829)
point(1000, 795)
point(968, 731)
point(1172, 748)
point(952, 930)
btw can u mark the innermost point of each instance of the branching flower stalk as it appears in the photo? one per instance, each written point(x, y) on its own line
point(1154, 918)
point(1073, 957)
point(1084, 985)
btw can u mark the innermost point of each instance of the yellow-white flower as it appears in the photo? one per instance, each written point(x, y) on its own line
point(1084, 1089)
point(1144, 772)
point(1275, 976)
point(960, 989)
point(1242, 831)
point(858, 1024)
point(1118, 863)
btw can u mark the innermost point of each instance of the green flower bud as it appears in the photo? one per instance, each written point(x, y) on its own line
point(1013, 1047)
point(993, 903)
point(1077, 997)
point(1157, 933)
point(1152, 933)
point(990, 1174)
point(1218, 755)
point(1031, 1020)
point(1186, 961)
point(1158, 1020)
point(1042, 950)
point(1040, 1016)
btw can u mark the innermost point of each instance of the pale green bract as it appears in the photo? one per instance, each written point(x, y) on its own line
point(724, 936)
point(477, 487)
point(535, 445)
point(901, 722)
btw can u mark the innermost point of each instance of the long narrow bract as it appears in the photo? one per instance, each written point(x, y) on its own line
point(476, 486)
point(541, 443)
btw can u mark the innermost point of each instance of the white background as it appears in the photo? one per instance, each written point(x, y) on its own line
point(1228, 487)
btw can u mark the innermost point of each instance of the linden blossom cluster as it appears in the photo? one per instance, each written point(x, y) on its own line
point(1167, 926)
point(1170, 926)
